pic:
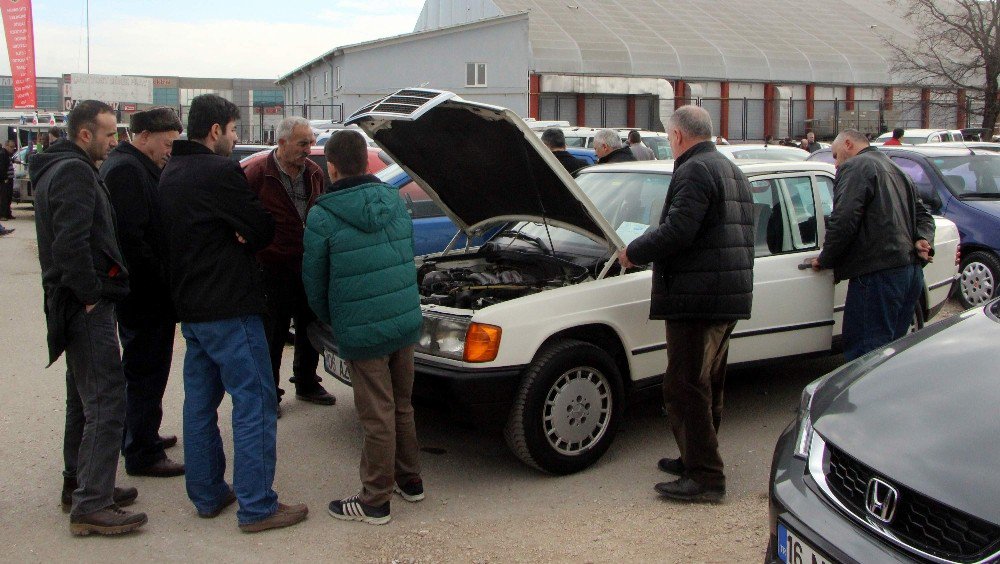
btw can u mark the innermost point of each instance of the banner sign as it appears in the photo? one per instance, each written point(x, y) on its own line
point(107, 88)
point(21, 49)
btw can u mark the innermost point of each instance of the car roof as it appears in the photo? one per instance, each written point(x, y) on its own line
point(928, 150)
point(749, 167)
point(756, 147)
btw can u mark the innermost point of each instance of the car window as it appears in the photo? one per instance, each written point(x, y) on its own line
point(970, 175)
point(771, 154)
point(825, 184)
point(822, 156)
point(660, 147)
point(418, 203)
point(800, 216)
point(913, 140)
point(765, 196)
point(917, 174)
point(576, 142)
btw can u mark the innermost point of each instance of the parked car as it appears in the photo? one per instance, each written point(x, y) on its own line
point(538, 329)
point(377, 159)
point(763, 152)
point(980, 145)
point(921, 136)
point(962, 185)
point(891, 457)
point(584, 137)
point(241, 152)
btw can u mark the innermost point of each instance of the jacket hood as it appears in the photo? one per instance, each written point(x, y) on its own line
point(481, 164)
point(367, 207)
point(40, 163)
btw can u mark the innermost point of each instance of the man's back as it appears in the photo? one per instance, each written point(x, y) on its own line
point(642, 152)
point(358, 270)
point(205, 202)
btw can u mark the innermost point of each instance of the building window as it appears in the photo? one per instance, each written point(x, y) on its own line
point(326, 82)
point(317, 87)
point(339, 83)
point(475, 74)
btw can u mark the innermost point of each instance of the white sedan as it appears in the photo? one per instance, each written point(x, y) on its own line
point(538, 329)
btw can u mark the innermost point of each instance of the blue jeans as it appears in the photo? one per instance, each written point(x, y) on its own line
point(880, 308)
point(231, 356)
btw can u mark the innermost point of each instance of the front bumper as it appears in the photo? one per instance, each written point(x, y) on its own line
point(797, 502)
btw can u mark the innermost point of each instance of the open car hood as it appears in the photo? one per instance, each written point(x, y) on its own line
point(480, 163)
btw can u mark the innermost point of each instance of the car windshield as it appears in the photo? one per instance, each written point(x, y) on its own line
point(913, 140)
point(971, 176)
point(630, 201)
point(771, 154)
point(660, 147)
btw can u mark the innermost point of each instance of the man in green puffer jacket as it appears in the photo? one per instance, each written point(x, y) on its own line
point(360, 279)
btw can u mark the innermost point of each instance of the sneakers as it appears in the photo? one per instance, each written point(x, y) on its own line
point(226, 502)
point(673, 466)
point(111, 520)
point(686, 489)
point(353, 509)
point(122, 496)
point(285, 516)
point(412, 491)
point(4, 231)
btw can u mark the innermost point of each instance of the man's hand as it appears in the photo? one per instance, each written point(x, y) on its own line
point(623, 259)
point(816, 266)
point(89, 308)
point(924, 250)
point(241, 239)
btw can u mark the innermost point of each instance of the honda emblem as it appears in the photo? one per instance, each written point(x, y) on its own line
point(881, 500)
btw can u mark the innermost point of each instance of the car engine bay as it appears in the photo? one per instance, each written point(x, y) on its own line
point(491, 276)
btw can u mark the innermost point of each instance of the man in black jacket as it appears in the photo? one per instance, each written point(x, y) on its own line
point(83, 275)
point(879, 236)
point(555, 140)
point(610, 149)
point(213, 225)
point(702, 255)
point(145, 317)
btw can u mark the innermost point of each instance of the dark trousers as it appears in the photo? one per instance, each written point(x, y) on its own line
point(95, 407)
point(6, 198)
point(383, 388)
point(286, 300)
point(880, 308)
point(146, 353)
point(697, 353)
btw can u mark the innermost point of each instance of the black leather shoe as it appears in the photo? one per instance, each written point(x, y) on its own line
point(317, 395)
point(673, 466)
point(165, 468)
point(686, 489)
point(167, 441)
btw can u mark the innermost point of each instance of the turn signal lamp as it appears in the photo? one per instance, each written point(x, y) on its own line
point(482, 343)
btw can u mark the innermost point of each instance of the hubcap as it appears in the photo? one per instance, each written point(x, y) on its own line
point(577, 410)
point(977, 283)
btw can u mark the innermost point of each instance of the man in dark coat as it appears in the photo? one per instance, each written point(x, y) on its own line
point(610, 149)
point(879, 236)
point(6, 179)
point(214, 224)
point(288, 182)
point(702, 253)
point(83, 275)
point(145, 317)
point(555, 140)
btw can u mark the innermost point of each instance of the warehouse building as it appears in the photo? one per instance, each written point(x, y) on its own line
point(760, 67)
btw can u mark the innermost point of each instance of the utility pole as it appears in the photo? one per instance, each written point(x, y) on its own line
point(88, 35)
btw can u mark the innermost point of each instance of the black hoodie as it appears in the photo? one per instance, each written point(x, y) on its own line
point(77, 245)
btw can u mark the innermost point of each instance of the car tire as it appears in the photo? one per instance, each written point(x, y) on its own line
point(568, 408)
point(978, 278)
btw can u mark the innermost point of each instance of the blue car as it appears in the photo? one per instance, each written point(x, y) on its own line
point(963, 185)
point(432, 230)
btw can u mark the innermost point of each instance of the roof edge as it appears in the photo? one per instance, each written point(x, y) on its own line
point(404, 38)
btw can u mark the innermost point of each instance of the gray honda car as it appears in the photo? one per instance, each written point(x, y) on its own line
point(895, 457)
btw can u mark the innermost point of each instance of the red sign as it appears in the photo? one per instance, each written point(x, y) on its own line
point(128, 107)
point(21, 49)
point(268, 110)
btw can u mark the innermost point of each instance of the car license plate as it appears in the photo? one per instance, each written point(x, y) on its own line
point(336, 366)
point(793, 550)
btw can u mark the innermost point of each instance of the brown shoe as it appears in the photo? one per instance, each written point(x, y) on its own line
point(165, 468)
point(167, 441)
point(226, 502)
point(122, 496)
point(111, 520)
point(285, 516)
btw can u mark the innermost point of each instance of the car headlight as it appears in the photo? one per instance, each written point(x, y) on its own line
point(459, 338)
point(804, 436)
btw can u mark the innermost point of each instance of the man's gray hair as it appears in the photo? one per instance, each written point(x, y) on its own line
point(608, 137)
point(692, 120)
point(288, 125)
point(854, 135)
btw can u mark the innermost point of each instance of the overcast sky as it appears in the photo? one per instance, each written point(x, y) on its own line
point(205, 38)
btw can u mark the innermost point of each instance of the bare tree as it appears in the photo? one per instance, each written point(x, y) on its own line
point(957, 45)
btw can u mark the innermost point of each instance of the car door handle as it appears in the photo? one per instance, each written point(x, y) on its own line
point(806, 264)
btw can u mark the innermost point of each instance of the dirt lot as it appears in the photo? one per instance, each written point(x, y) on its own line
point(482, 505)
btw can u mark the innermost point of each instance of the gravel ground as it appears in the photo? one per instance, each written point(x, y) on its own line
point(482, 504)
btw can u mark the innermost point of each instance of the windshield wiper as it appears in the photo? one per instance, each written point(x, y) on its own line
point(525, 237)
